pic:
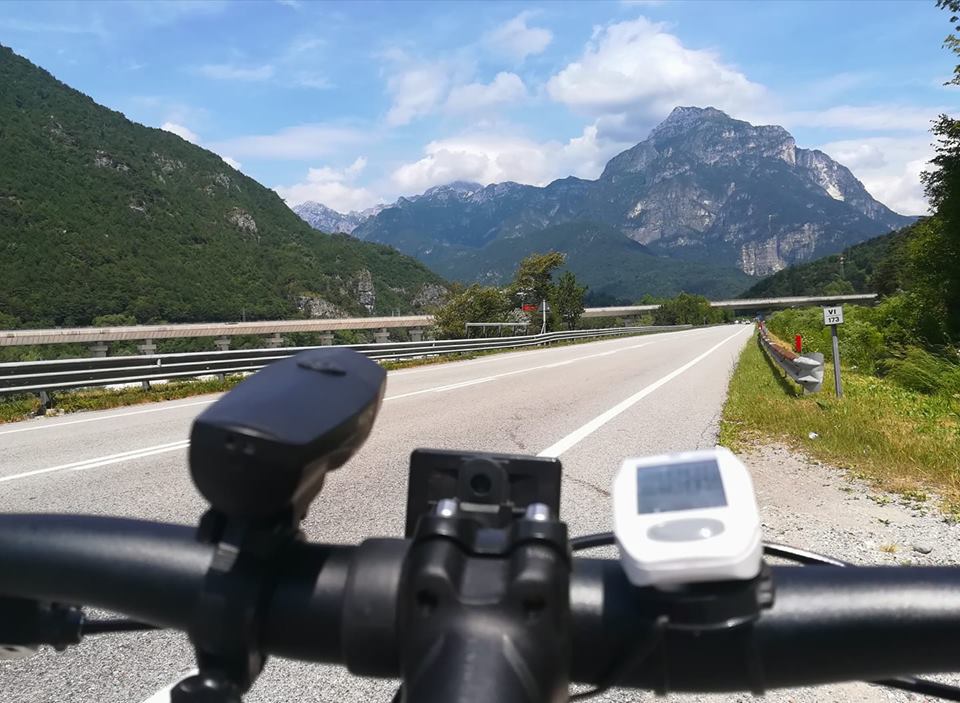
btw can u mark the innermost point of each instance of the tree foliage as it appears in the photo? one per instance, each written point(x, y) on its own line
point(567, 299)
point(532, 284)
point(688, 309)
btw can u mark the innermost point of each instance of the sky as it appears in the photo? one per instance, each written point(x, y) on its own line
point(353, 104)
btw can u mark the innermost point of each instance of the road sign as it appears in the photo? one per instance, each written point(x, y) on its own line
point(833, 314)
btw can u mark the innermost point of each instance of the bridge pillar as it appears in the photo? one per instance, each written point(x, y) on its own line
point(222, 343)
point(326, 339)
point(274, 341)
point(99, 350)
point(416, 335)
point(381, 336)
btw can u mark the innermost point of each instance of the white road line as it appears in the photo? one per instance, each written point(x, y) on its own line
point(104, 460)
point(52, 425)
point(599, 421)
point(163, 695)
point(183, 444)
point(485, 379)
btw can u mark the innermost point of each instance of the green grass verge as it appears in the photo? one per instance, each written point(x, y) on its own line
point(14, 409)
point(902, 440)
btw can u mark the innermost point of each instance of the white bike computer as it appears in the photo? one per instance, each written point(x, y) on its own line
point(685, 518)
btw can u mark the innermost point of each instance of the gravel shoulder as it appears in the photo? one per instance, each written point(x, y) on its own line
point(808, 504)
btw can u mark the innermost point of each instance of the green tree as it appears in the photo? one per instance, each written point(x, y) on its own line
point(534, 278)
point(473, 304)
point(567, 299)
point(935, 258)
point(687, 309)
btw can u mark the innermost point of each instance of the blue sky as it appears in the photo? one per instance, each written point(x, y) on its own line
point(356, 103)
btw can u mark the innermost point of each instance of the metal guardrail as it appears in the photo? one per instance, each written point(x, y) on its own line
point(64, 374)
point(806, 370)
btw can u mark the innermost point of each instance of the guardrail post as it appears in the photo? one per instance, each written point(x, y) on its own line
point(381, 336)
point(326, 339)
point(416, 335)
point(274, 341)
point(147, 348)
point(99, 350)
point(222, 343)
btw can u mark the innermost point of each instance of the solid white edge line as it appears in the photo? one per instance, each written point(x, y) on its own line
point(575, 437)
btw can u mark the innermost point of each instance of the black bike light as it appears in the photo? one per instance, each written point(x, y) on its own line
point(265, 446)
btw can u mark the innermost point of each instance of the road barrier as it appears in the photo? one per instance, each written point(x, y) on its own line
point(45, 377)
point(806, 370)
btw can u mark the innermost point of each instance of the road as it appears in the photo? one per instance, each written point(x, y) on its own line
point(590, 404)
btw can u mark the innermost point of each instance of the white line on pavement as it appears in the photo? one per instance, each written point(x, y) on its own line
point(599, 421)
point(52, 425)
point(163, 695)
point(104, 460)
point(485, 379)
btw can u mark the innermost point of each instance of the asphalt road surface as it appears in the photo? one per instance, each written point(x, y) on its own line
point(590, 404)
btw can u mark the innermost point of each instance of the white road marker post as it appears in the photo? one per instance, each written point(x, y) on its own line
point(833, 316)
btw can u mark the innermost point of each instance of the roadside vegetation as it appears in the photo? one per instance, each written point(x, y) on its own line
point(907, 441)
point(899, 420)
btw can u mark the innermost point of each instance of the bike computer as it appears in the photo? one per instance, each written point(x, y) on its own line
point(687, 517)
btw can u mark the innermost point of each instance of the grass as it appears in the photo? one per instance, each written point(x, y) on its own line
point(14, 409)
point(903, 441)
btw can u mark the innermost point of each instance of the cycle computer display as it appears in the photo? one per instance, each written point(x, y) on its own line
point(686, 518)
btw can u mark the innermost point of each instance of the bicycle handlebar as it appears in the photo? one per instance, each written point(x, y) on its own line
point(328, 601)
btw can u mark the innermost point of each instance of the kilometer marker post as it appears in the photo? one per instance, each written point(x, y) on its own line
point(833, 316)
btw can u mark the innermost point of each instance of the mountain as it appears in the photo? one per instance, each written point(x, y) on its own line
point(326, 219)
point(102, 216)
point(873, 266)
point(703, 187)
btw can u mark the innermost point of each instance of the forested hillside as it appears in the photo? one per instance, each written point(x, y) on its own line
point(102, 216)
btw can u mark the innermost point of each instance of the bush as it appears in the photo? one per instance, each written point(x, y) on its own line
point(919, 370)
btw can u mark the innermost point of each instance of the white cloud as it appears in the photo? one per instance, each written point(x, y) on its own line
point(491, 157)
point(230, 72)
point(417, 89)
point(181, 131)
point(295, 4)
point(232, 162)
point(889, 168)
point(332, 187)
point(633, 73)
point(308, 141)
point(884, 117)
point(505, 88)
point(515, 40)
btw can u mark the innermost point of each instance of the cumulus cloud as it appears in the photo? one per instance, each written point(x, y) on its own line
point(332, 187)
point(491, 157)
point(306, 141)
point(515, 40)
point(181, 131)
point(505, 88)
point(416, 87)
point(889, 168)
point(231, 72)
point(632, 73)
